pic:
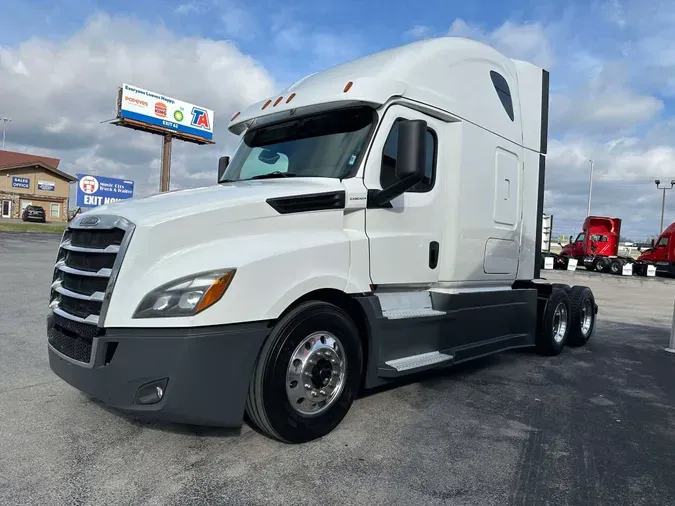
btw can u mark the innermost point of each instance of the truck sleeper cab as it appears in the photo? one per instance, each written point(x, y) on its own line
point(378, 219)
point(597, 248)
point(597, 245)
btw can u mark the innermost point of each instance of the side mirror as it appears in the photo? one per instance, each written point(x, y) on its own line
point(652, 243)
point(411, 160)
point(223, 162)
point(411, 153)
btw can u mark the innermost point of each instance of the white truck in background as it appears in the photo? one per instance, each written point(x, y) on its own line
point(378, 219)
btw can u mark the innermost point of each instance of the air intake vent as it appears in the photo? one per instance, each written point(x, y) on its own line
point(306, 203)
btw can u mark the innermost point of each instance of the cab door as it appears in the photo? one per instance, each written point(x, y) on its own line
point(661, 249)
point(405, 235)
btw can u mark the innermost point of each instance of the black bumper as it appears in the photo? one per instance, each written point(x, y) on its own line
point(206, 370)
point(665, 268)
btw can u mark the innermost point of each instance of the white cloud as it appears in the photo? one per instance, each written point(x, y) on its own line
point(614, 12)
point(194, 7)
point(325, 49)
point(623, 182)
point(419, 32)
point(66, 89)
point(238, 22)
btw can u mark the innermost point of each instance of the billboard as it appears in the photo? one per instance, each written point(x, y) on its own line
point(162, 114)
point(93, 191)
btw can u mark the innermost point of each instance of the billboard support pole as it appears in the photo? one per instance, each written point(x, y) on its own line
point(165, 176)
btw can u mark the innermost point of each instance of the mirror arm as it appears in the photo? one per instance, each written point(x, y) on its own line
point(388, 194)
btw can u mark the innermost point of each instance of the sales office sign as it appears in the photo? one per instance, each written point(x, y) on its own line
point(21, 182)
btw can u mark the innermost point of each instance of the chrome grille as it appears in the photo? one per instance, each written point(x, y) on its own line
point(89, 257)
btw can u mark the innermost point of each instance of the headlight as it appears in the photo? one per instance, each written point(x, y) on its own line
point(186, 296)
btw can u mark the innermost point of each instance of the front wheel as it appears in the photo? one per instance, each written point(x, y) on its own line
point(307, 375)
point(554, 325)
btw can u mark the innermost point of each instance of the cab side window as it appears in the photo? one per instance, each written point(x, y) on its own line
point(388, 168)
point(663, 242)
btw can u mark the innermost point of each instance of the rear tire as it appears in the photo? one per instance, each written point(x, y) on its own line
point(582, 319)
point(616, 267)
point(554, 325)
point(307, 374)
point(599, 264)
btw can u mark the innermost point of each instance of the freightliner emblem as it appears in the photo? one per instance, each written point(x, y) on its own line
point(90, 221)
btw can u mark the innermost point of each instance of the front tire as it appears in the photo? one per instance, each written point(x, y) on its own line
point(555, 322)
point(307, 374)
point(583, 316)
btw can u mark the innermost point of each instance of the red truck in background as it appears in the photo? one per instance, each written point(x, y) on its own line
point(597, 248)
point(662, 252)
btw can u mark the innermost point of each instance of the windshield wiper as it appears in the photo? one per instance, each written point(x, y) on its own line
point(274, 174)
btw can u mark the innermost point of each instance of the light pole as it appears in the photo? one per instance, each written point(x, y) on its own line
point(663, 199)
point(590, 189)
point(4, 128)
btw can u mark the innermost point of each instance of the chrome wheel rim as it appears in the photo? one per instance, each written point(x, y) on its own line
point(316, 374)
point(559, 322)
point(586, 317)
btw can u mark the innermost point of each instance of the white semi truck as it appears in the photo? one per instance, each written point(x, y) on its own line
point(378, 219)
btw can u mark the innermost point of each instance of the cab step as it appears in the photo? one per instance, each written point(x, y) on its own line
point(415, 363)
point(400, 305)
point(398, 314)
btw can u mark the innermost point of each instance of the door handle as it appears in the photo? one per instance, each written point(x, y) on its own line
point(433, 254)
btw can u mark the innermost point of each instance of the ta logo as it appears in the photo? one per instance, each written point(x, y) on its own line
point(200, 118)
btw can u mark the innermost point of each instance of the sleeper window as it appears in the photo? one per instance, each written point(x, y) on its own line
point(388, 168)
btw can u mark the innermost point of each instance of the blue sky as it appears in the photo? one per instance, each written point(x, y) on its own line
point(612, 66)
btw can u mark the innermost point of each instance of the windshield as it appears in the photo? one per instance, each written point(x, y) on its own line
point(322, 145)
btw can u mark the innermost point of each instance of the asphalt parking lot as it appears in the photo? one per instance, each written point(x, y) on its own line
point(593, 426)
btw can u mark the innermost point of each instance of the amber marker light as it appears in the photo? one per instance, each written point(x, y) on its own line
point(215, 292)
point(348, 86)
point(290, 97)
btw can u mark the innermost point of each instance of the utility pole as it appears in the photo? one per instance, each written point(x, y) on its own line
point(663, 199)
point(590, 189)
point(4, 128)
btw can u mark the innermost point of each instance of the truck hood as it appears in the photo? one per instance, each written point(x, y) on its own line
point(567, 249)
point(232, 202)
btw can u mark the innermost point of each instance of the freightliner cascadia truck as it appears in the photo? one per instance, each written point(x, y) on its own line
point(596, 247)
point(378, 219)
point(662, 253)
